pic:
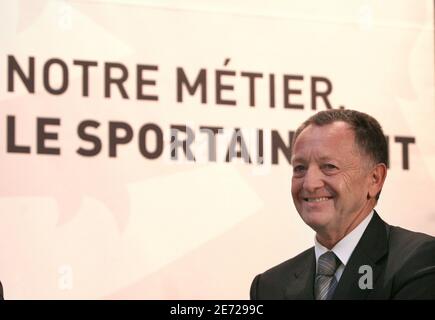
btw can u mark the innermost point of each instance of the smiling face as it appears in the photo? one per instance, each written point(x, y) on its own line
point(331, 180)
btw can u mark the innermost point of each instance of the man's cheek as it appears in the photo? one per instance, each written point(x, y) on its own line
point(346, 183)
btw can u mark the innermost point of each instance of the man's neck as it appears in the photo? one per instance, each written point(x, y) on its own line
point(330, 238)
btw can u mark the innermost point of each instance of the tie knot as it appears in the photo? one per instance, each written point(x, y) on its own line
point(328, 264)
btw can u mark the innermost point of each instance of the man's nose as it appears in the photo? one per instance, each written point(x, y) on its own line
point(313, 179)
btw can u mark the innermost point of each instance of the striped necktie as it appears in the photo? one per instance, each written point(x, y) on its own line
point(325, 280)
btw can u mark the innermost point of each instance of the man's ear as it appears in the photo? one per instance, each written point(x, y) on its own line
point(376, 179)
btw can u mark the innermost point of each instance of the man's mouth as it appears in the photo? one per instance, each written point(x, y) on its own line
point(318, 199)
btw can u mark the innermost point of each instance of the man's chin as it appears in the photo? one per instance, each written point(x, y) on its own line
point(315, 220)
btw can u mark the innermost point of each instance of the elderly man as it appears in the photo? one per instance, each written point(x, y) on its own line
point(339, 167)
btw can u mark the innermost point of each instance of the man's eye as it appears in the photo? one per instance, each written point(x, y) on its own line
point(298, 169)
point(329, 166)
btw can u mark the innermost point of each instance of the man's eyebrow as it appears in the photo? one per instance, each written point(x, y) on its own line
point(327, 158)
point(295, 159)
point(322, 158)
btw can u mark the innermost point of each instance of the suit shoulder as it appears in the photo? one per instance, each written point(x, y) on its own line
point(271, 284)
point(292, 264)
point(410, 252)
point(408, 241)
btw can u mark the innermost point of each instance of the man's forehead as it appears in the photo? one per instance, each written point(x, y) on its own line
point(326, 140)
point(337, 130)
point(336, 127)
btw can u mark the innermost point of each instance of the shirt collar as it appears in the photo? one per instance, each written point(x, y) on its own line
point(344, 248)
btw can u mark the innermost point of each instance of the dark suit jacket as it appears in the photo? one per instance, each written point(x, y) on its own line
point(403, 264)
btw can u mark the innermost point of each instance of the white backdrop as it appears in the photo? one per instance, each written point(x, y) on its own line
point(128, 226)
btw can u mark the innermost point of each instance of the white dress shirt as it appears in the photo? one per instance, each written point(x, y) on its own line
point(344, 248)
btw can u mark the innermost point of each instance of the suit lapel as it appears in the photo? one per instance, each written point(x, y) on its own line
point(301, 285)
point(368, 252)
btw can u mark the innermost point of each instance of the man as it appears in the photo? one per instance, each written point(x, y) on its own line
point(1, 291)
point(339, 162)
